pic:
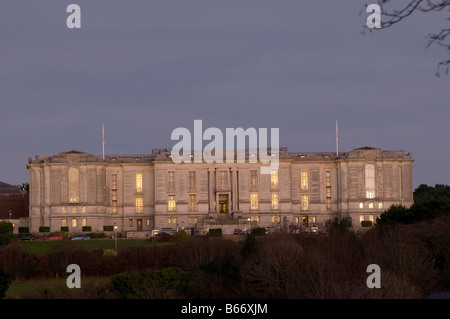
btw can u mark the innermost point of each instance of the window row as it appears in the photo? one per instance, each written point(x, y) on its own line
point(371, 205)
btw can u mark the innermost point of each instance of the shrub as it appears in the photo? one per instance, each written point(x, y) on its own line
point(97, 235)
point(44, 229)
point(108, 228)
point(5, 281)
point(366, 223)
point(65, 229)
point(6, 228)
point(258, 231)
point(86, 228)
point(24, 230)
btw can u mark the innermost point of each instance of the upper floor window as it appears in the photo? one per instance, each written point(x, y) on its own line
point(74, 185)
point(192, 178)
point(274, 179)
point(254, 178)
point(223, 178)
point(370, 181)
point(139, 182)
point(304, 180)
point(171, 179)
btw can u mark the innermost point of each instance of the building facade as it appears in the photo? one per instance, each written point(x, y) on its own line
point(141, 193)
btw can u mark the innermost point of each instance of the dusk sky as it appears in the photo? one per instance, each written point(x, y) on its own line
point(144, 68)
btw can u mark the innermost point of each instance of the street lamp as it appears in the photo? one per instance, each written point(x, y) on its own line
point(115, 237)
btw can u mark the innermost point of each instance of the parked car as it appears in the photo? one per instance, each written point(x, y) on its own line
point(238, 232)
point(26, 237)
point(81, 237)
point(163, 234)
point(53, 237)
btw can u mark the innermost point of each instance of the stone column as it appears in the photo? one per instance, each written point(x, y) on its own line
point(234, 196)
point(212, 181)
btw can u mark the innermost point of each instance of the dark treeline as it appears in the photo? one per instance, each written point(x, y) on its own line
point(414, 261)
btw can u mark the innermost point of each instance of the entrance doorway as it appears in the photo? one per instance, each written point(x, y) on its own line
point(139, 224)
point(223, 203)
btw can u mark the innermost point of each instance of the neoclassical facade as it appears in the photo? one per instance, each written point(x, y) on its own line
point(141, 193)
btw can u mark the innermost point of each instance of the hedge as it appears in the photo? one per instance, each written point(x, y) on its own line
point(86, 228)
point(24, 230)
point(44, 229)
point(65, 228)
point(215, 232)
point(108, 228)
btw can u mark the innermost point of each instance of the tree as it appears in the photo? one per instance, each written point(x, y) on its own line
point(429, 202)
point(5, 281)
point(391, 17)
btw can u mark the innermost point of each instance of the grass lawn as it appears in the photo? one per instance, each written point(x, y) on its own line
point(43, 247)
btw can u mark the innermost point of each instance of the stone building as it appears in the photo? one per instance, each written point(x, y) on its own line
point(14, 203)
point(141, 193)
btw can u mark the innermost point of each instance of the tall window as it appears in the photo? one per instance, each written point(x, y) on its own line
point(328, 187)
point(370, 181)
point(139, 204)
point(139, 182)
point(254, 178)
point(305, 202)
point(84, 222)
point(304, 180)
point(274, 179)
point(74, 185)
point(192, 178)
point(253, 201)
point(193, 202)
point(74, 222)
point(171, 203)
point(171, 179)
point(275, 200)
point(223, 178)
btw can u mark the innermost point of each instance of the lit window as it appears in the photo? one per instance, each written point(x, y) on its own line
point(171, 203)
point(139, 182)
point(64, 209)
point(361, 205)
point(254, 219)
point(305, 202)
point(83, 209)
point(254, 201)
point(139, 205)
point(304, 180)
point(84, 222)
point(74, 185)
point(380, 205)
point(148, 222)
point(276, 219)
point(275, 200)
point(361, 218)
point(64, 222)
point(274, 179)
point(74, 222)
point(370, 181)
point(371, 205)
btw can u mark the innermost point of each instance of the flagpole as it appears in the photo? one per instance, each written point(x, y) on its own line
point(103, 140)
point(337, 140)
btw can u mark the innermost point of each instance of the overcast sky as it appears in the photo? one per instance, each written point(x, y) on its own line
point(144, 68)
